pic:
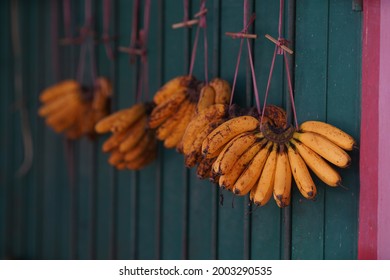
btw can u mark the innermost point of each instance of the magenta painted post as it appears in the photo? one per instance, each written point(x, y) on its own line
point(368, 204)
point(384, 135)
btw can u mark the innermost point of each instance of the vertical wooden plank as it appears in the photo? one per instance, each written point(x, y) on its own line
point(16, 211)
point(201, 198)
point(265, 241)
point(104, 172)
point(384, 132)
point(148, 197)
point(126, 89)
point(84, 186)
point(51, 164)
point(174, 177)
point(311, 72)
point(231, 219)
point(32, 81)
point(368, 146)
point(66, 203)
point(343, 110)
point(84, 158)
point(5, 141)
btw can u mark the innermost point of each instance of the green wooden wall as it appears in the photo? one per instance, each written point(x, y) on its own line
point(73, 205)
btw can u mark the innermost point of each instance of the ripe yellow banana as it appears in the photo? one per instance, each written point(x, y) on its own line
point(141, 162)
point(143, 145)
point(206, 98)
point(128, 118)
point(113, 141)
point(317, 164)
point(120, 120)
point(324, 147)
point(59, 90)
point(63, 118)
point(134, 135)
point(194, 153)
point(226, 132)
point(251, 174)
point(59, 103)
point(282, 183)
point(330, 132)
point(199, 122)
point(166, 129)
point(227, 180)
point(265, 186)
point(222, 91)
point(174, 140)
point(115, 157)
point(301, 174)
point(234, 151)
point(164, 110)
point(176, 85)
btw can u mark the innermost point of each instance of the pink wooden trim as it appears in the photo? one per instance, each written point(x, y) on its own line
point(383, 250)
point(368, 210)
point(374, 208)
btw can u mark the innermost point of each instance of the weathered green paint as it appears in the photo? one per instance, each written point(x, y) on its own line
point(164, 211)
point(310, 99)
point(148, 217)
point(343, 110)
point(266, 221)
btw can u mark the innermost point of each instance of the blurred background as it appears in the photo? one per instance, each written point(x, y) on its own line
point(69, 203)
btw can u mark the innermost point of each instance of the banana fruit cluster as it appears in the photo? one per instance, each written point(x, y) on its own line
point(179, 101)
point(212, 110)
point(261, 159)
point(66, 109)
point(318, 145)
point(133, 144)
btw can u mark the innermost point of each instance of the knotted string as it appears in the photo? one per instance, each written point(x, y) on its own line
point(86, 36)
point(202, 24)
point(106, 29)
point(247, 24)
point(186, 9)
point(143, 85)
point(278, 50)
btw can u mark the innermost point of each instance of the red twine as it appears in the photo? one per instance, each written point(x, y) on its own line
point(86, 35)
point(106, 29)
point(138, 46)
point(247, 24)
point(202, 24)
point(278, 50)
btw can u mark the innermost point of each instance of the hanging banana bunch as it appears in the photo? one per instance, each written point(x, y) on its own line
point(132, 144)
point(179, 101)
point(175, 106)
point(262, 159)
point(212, 110)
point(66, 109)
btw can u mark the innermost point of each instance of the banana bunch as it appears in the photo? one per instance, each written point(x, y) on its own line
point(132, 144)
point(246, 157)
point(179, 101)
point(224, 129)
point(317, 145)
point(211, 111)
point(66, 109)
